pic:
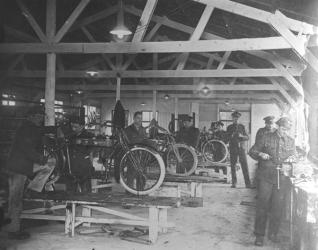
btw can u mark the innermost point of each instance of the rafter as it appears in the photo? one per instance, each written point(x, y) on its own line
point(298, 44)
point(224, 60)
point(22, 36)
point(245, 44)
point(37, 29)
point(156, 73)
point(197, 33)
point(69, 22)
point(259, 15)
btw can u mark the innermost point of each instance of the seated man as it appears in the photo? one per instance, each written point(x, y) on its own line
point(188, 134)
point(135, 132)
point(80, 163)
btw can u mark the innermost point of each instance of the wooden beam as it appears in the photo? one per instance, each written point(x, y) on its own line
point(197, 33)
point(20, 35)
point(144, 20)
point(92, 39)
point(297, 44)
point(244, 44)
point(50, 19)
point(69, 22)
point(224, 60)
point(37, 29)
point(149, 88)
point(154, 73)
point(259, 15)
point(283, 92)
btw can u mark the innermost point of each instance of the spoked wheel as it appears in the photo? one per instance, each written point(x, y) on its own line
point(142, 170)
point(215, 151)
point(188, 160)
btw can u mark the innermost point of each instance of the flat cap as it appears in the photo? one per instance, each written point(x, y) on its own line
point(269, 119)
point(284, 122)
point(187, 118)
point(236, 114)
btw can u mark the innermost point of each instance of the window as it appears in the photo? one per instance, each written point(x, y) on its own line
point(58, 106)
point(147, 117)
point(9, 101)
point(90, 117)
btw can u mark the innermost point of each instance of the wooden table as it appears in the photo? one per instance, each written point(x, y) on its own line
point(157, 220)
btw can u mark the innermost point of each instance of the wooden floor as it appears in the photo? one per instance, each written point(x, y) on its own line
point(223, 223)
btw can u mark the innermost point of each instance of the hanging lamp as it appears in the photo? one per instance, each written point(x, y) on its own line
point(120, 30)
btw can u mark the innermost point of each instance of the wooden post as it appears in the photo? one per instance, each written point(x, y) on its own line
point(153, 224)
point(50, 64)
point(163, 219)
point(118, 88)
point(176, 114)
point(154, 104)
point(73, 219)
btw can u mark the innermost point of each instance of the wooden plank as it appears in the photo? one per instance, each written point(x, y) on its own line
point(224, 60)
point(144, 20)
point(259, 15)
point(113, 221)
point(37, 29)
point(197, 33)
point(284, 93)
point(116, 213)
point(69, 22)
point(297, 44)
point(153, 224)
point(242, 44)
point(163, 219)
point(153, 73)
point(42, 217)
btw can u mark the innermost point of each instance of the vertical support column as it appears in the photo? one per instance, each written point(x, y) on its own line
point(176, 113)
point(154, 104)
point(118, 87)
point(153, 224)
point(50, 64)
point(50, 89)
point(73, 219)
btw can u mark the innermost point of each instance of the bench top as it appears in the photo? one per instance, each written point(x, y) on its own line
point(104, 199)
point(192, 178)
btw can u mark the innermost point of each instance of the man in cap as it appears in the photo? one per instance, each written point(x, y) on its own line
point(26, 159)
point(219, 132)
point(237, 137)
point(272, 150)
point(188, 134)
point(269, 127)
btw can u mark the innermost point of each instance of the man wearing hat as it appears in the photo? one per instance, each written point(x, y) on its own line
point(25, 159)
point(219, 132)
point(272, 150)
point(269, 127)
point(188, 134)
point(237, 137)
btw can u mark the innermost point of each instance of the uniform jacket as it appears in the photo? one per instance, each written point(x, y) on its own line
point(27, 149)
point(263, 131)
point(134, 135)
point(278, 147)
point(233, 131)
point(189, 136)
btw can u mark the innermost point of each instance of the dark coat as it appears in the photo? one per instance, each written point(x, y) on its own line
point(233, 132)
point(278, 148)
point(119, 118)
point(189, 136)
point(26, 149)
point(135, 136)
point(263, 131)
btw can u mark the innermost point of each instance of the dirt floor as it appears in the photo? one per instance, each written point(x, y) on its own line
point(223, 223)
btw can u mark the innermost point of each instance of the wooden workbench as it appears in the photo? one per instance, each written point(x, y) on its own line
point(157, 220)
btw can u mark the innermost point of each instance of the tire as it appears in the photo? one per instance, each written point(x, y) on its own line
point(210, 149)
point(189, 166)
point(149, 160)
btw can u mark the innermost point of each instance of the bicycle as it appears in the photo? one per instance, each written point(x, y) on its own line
point(213, 149)
point(181, 159)
point(141, 168)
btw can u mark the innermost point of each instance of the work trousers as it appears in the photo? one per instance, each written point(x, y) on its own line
point(270, 203)
point(236, 153)
point(16, 190)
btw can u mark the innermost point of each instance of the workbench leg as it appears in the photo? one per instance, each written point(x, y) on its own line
point(68, 219)
point(191, 189)
point(163, 219)
point(198, 190)
point(73, 219)
point(86, 212)
point(153, 224)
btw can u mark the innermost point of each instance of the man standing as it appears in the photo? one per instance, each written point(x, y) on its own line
point(271, 151)
point(237, 137)
point(25, 159)
point(188, 135)
point(269, 128)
